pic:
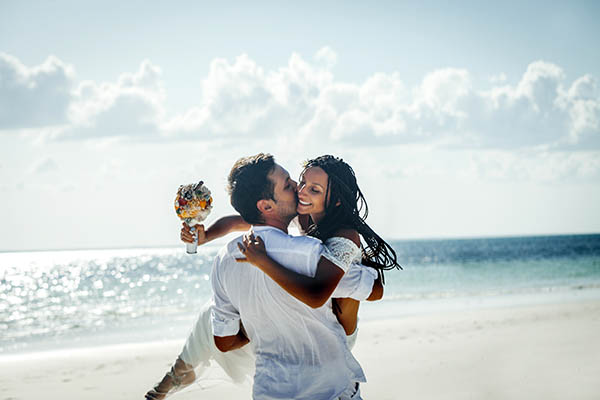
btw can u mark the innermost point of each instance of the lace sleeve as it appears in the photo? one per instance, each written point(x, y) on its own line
point(341, 251)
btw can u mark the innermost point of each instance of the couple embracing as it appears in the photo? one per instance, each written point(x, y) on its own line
point(291, 320)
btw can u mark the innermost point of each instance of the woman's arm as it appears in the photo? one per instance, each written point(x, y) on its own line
point(377, 292)
point(219, 228)
point(312, 291)
point(225, 225)
point(360, 283)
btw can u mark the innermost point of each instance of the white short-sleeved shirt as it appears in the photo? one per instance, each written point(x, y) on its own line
point(301, 352)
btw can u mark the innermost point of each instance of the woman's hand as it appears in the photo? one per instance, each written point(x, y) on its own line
point(253, 249)
point(187, 235)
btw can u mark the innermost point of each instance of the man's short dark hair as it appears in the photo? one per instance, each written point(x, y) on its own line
point(248, 183)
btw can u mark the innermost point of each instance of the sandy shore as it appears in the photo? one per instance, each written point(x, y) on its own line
point(537, 352)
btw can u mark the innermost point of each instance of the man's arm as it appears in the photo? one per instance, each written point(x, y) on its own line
point(228, 343)
point(227, 329)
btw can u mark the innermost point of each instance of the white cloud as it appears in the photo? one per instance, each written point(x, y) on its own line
point(44, 166)
point(584, 109)
point(528, 114)
point(67, 187)
point(492, 166)
point(110, 170)
point(239, 100)
point(133, 106)
point(45, 101)
point(498, 78)
point(33, 96)
point(442, 90)
point(536, 166)
point(234, 97)
point(584, 88)
point(326, 57)
point(540, 84)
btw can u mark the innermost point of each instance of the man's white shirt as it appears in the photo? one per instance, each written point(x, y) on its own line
point(301, 352)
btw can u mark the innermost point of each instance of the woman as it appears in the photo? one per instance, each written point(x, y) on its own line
point(329, 207)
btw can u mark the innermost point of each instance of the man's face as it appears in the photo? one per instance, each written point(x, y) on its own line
point(284, 192)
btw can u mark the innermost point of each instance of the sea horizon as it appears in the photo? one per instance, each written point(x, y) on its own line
point(221, 241)
point(95, 297)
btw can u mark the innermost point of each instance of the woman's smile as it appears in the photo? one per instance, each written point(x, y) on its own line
point(311, 192)
point(304, 207)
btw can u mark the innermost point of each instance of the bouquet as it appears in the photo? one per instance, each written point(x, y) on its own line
point(193, 203)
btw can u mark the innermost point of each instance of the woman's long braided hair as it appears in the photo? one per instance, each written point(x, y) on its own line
point(346, 207)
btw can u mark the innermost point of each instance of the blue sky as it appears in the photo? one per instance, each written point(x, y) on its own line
point(103, 39)
point(460, 118)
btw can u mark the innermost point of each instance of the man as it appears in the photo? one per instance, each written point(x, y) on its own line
point(301, 352)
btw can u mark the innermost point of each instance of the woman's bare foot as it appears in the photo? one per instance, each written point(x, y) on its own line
point(180, 376)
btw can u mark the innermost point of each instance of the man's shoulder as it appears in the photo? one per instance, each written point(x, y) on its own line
point(277, 239)
point(308, 240)
point(225, 258)
point(230, 249)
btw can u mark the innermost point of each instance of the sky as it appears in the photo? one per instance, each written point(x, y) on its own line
point(460, 119)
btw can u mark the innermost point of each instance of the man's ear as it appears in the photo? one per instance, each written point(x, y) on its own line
point(264, 206)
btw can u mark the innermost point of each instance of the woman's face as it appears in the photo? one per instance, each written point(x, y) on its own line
point(311, 192)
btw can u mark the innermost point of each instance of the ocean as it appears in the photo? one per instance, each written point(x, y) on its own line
point(67, 299)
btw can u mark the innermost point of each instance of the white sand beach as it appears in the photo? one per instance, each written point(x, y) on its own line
point(528, 352)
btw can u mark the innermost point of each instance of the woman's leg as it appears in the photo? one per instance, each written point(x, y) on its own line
point(197, 353)
point(180, 376)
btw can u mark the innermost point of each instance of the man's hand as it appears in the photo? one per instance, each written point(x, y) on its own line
point(187, 235)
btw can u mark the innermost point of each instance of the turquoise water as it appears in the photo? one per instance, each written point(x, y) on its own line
point(89, 297)
point(448, 268)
